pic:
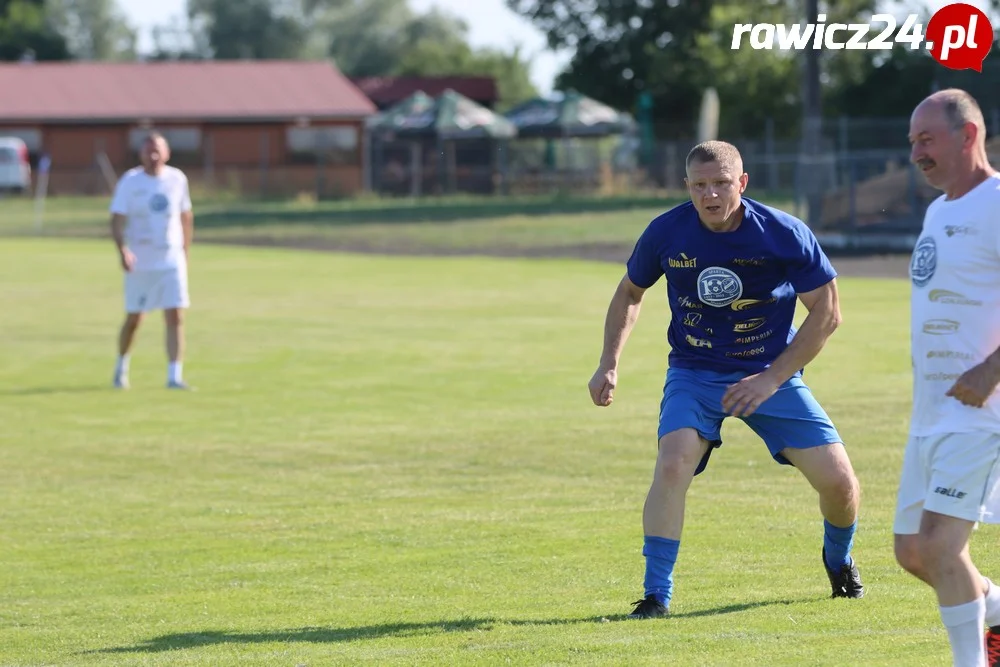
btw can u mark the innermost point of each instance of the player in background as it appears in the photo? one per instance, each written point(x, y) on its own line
point(734, 269)
point(950, 477)
point(152, 224)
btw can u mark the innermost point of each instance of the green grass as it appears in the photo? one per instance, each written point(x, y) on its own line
point(542, 225)
point(395, 461)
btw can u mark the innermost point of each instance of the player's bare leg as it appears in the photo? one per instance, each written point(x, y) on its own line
point(944, 556)
point(174, 321)
point(126, 336)
point(910, 556)
point(677, 458)
point(663, 516)
point(828, 469)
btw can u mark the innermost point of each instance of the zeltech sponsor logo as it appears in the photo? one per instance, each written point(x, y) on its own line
point(750, 325)
point(952, 298)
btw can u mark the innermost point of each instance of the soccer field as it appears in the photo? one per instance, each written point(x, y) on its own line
point(395, 460)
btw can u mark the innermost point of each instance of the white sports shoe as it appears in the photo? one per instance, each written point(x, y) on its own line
point(184, 386)
point(120, 381)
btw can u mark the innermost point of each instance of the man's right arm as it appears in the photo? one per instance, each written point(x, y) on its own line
point(118, 234)
point(118, 230)
point(643, 266)
point(622, 315)
point(623, 312)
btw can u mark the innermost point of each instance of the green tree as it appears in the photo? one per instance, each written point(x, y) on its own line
point(369, 37)
point(26, 32)
point(248, 28)
point(386, 38)
point(625, 47)
point(675, 50)
point(509, 70)
point(93, 29)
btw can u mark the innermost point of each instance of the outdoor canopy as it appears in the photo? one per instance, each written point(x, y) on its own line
point(451, 116)
point(575, 115)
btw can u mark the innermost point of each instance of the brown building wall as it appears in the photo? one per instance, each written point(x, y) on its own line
point(245, 145)
point(252, 158)
point(77, 147)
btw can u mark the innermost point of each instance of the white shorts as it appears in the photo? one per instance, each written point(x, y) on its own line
point(156, 290)
point(956, 474)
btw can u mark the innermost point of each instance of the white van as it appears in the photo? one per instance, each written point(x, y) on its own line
point(15, 166)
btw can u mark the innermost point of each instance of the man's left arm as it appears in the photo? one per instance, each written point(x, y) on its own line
point(975, 386)
point(187, 220)
point(187, 223)
point(823, 304)
point(823, 319)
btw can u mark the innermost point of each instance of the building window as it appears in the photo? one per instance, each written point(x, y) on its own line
point(335, 144)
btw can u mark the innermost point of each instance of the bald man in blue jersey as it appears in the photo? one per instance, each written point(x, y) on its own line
point(735, 270)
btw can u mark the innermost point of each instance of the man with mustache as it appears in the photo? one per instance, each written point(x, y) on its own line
point(735, 270)
point(950, 478)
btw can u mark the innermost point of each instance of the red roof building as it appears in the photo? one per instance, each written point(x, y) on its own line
point(258, 125)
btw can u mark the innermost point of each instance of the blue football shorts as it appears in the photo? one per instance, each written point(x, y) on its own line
point(791, 418)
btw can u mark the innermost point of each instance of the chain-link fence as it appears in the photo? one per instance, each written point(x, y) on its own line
point(858, 188)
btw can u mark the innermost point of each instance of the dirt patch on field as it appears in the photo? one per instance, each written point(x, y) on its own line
point(869, 266)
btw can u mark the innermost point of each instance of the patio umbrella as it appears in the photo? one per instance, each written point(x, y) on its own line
point(451, 116)
point(575, 115)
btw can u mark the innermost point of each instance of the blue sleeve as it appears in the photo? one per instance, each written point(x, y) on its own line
point(808, 268)
point(644, 266)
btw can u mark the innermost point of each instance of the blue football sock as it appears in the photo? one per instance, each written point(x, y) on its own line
point(661, 554)
point(838, 543)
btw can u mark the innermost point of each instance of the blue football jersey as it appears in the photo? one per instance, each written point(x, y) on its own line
point(732, 295)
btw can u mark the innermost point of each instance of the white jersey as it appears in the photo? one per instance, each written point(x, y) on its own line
point(955, 308)
point(152, 206)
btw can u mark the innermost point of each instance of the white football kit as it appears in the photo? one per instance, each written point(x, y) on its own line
point(952, 460)
point(152, 206)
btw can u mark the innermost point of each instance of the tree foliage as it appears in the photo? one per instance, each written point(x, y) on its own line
point(363, 37)
point(93, 29)
point(25, 32)
point(675, 49)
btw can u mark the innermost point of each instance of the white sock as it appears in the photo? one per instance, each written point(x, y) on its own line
point(965, 632)
point(992, 603)
point(121, 368)
point(174, 371)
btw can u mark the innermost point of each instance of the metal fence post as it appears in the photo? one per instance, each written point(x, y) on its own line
point(320, 146)
point(264, 146)
point(209, 166)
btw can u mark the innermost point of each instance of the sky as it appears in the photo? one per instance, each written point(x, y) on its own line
point(490, 24)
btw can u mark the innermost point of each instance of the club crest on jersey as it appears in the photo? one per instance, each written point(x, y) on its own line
point(158, 203)
point(718, 286)
point(923, 263)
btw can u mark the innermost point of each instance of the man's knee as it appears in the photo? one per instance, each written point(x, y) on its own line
point(842, 486)
point(174, 317)
point(829, 471)
point(679, 454)
point(132, 321)
point(907, 548)
point(942, 539)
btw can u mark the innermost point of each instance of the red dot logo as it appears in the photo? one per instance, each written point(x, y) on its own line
point(960, 36)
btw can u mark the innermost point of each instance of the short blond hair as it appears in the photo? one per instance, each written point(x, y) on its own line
point(722, 152)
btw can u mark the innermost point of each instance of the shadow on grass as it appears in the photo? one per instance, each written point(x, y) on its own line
point(185, 640)
point(44, 391)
